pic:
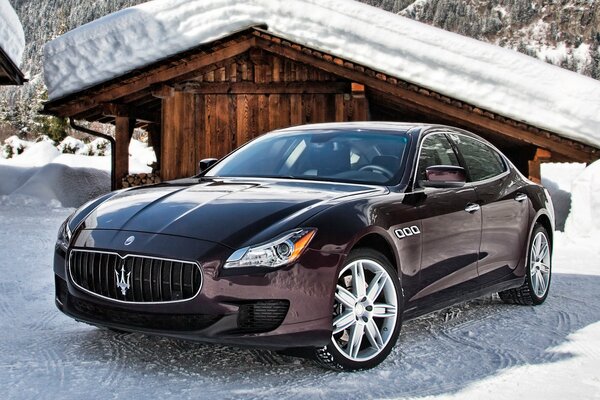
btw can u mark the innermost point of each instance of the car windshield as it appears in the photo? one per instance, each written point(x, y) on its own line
point(356, 156)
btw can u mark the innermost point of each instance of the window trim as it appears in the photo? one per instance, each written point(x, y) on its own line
point(446, 132)
point(488, 145)
point(415, 186)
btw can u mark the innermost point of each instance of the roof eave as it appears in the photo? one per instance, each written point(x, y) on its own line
point(10, 74)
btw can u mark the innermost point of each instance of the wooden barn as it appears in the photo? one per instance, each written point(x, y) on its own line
point(208, 100)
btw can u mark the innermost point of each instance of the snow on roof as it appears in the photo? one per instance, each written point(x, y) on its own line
point(501, 80)
point(12, 37)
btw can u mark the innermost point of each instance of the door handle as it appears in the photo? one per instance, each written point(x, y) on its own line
point(520, 197)
point(472, 207)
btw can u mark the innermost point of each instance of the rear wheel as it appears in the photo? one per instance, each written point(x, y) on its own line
point(539, 272)
point(367, 313)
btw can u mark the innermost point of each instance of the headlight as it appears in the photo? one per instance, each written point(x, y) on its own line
point(281, 251)
point(64, 235)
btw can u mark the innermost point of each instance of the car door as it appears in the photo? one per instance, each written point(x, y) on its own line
point(504, 209)
point(450, 229)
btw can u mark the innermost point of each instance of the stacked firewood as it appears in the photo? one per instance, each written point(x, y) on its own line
point(140, 179)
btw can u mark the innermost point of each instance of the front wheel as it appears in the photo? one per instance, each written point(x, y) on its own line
point(538, 274)
point(367, 313)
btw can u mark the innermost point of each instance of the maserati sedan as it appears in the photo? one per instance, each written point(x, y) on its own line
point(316, 240)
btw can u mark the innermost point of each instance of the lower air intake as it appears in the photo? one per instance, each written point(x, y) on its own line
point(261, 316)
point(164, 322)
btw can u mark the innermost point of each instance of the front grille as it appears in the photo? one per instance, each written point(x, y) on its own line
point(261, 316)
point(132, 278)
point(181, 322)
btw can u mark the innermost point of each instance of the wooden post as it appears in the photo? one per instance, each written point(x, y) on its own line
point(154, 136)
point(359, 103)
point(535, 173)
point(123, 131)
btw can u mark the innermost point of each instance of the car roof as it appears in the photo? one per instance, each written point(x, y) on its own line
point(416, 128)
point(366, 125)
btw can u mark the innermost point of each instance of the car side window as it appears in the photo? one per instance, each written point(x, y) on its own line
point(482, 161)
point(435, 150)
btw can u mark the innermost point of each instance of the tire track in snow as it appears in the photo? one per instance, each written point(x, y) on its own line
point(54, 365)
point(114, 346)
point(44, 322)
point(10, 293)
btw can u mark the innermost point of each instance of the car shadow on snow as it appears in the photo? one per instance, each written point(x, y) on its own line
point(439, 353)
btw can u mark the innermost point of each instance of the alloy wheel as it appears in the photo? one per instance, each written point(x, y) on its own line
point(365, 310)
point(539, 264)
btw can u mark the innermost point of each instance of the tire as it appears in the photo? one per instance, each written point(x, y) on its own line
point(534, 290)
point(366, 322)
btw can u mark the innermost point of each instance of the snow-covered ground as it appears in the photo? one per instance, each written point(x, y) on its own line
point(488, 350)
point(501, 80)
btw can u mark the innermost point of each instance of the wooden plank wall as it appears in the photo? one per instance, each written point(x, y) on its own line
point(199, 123)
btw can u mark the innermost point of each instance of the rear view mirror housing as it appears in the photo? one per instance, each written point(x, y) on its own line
point(206, 163)
point(444, 176)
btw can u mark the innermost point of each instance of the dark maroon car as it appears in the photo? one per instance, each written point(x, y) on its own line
point(317, 239)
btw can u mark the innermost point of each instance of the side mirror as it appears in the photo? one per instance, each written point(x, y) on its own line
point(444, 176)
point(205, 164)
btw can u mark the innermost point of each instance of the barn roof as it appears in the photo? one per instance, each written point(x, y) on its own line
point(485, 76)
point(12, 44)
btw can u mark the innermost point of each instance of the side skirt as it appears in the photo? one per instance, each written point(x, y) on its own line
point(482, 291)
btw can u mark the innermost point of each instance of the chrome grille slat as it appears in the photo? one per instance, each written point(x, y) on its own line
point(150, 278)
point(159, 283)
point(153, 280)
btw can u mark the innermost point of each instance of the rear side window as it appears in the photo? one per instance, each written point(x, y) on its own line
point(482, 161)
point(435, 150)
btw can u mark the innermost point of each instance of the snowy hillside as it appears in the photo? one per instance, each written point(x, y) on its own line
point(564, 33)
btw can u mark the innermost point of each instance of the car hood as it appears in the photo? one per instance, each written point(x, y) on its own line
point(232, 212)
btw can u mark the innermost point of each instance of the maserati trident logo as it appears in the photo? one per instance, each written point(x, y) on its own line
point(122, 282)
point(129, 240)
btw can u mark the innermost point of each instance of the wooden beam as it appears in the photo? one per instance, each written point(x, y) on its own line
point(163, 92)
point(426, 103)
point(115, 110)
point(316, 87)
point(123, 131)
point(161, 74)
point(542, 154)
point(124, 110)
point(357, 88)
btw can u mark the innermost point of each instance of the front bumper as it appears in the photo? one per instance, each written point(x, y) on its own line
point(289, 307)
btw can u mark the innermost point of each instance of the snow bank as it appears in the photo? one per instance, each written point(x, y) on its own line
point(44, 173)
point(70, 145)
point(501, 80)
point(12, 37)
point(57, 182)
point(13, 146)
point(584, 219)
point(557, 178)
